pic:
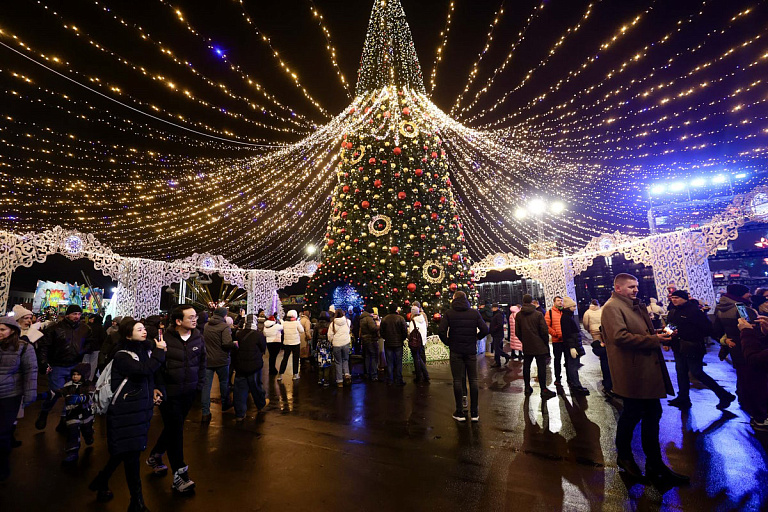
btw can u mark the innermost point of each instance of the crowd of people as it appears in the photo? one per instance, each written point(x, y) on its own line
point(168, 361)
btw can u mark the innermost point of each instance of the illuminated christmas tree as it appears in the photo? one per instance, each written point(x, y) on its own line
point(394, 234)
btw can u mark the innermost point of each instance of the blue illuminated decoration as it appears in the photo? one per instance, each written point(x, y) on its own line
point(346, 296)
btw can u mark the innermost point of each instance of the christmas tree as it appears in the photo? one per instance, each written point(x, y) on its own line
point(394, 235)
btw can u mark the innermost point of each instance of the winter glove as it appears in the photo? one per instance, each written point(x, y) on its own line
point(574, 353)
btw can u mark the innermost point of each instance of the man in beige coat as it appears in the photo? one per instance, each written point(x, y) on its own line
point(640, 377)
point(306, 336)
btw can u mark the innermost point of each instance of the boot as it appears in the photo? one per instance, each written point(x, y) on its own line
point(100, 485)
point(137, 500)
point(42, 420)
point(61, 428)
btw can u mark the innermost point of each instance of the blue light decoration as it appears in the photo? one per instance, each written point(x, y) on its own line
point(346, 296)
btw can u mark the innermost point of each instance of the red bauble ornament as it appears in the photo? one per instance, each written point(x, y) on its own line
point(442, 200)
point(401, 196)
point(453, 287)
point(372, 161)
point(423, 236)
point(437, 294)
point(411, 287)
point(394, 250)
point(394, 290)
point(331, 241)
point(365, 205)
point(345, 188)
point(416, 254)
point(417, 205)
point(400, 212)
point(434, 154)
point(419, 172)
point(433, 216)
point(406, 111)
point(436, 317)
point(397, 151)
point(377, 183)
point(343, 215)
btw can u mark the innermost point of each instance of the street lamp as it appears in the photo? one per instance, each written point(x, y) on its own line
point(311, 249)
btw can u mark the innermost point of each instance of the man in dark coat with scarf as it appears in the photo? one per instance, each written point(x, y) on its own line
point(640, 376)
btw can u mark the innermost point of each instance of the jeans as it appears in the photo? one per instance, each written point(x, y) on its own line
point(56, 379)
point(394, 364)
point(245, 384)
point(371, 361)
point(288, 351)
point(174, 410)
point(649, 412)
point(498, 350)
point(274, 350)
point(685, 364)
point(541, 367)
point(420, 363)
point(572, 370)
point(557, 352)
point(341, 362)
point(223, 374)
point(464, 365)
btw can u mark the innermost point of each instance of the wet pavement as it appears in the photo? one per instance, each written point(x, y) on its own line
point(370, 447)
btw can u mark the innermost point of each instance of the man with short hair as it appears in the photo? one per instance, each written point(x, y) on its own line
point(394, 330)
point(554, 323)
point(460, 329)
point(533, 333)
point(61, 349)
point(369, 339)
point(692, 328)
point(639, 376)
point(177, 382)
point(497, 335)
point(218, 343)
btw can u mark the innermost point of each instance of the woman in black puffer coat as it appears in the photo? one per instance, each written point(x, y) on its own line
point(129, 415)
point(572, 341)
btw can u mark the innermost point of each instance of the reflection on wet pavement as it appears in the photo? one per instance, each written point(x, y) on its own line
point(373, 447)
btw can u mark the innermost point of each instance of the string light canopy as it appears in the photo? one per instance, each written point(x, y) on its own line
point(152, 128)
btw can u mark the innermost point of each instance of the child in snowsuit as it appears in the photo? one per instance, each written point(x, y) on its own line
point(77, 394)
point(323, 349)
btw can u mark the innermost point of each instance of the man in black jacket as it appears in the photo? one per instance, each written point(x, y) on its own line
point(369, 338)
point(693, 328)
point(218, 343)
point(460, 328)
point(61, 349)
point(533, 333)
point(248, 361)
point(497, 333)
point(394, 331)
point(176, 383)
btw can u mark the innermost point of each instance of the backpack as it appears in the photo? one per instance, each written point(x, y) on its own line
point(414, 339)
point(103, 397)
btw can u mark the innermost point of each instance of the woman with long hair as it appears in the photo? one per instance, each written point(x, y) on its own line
point(18, 382)
point(130, 412)
point(339, 336)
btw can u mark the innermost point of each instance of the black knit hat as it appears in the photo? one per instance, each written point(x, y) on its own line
point(680, 293)
point(74, 308)
point(84, 369)
point(737, 290)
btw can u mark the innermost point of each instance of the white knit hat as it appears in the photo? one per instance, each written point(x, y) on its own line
point(292, 314)
point(331, 308)
point(20, 311)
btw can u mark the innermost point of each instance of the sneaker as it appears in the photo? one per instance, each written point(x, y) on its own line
point(681, 402)
point(340, 384)
point(460, 417)
point(759, 425)
point(240, 419)
point(280, 377)
point(296, 377)
point(464, 401)
point(181, 482)
point(156, 463)
point(546, 394)
point(266, 403)
point(475, 418)
point(726, 401)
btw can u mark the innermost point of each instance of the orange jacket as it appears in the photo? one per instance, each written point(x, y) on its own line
point(553, 322)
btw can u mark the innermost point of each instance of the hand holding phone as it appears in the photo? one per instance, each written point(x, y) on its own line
point(670, 329)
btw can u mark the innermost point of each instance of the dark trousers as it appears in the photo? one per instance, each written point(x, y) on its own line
point(647, 411)
point(56, 380)
point(245, 384)
point(558, 349)
point(394, 364)
point(420, 363)
point(130, 461)
point(461, 363)
point(541, 367)
point(290, 350)
point(73, 434)
point(371, 360)
point(174, 410)
point(274, 350)
point(9, 408)
point(607, 381)
point(498, 350)
point(685, 364)
point(572, 370)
